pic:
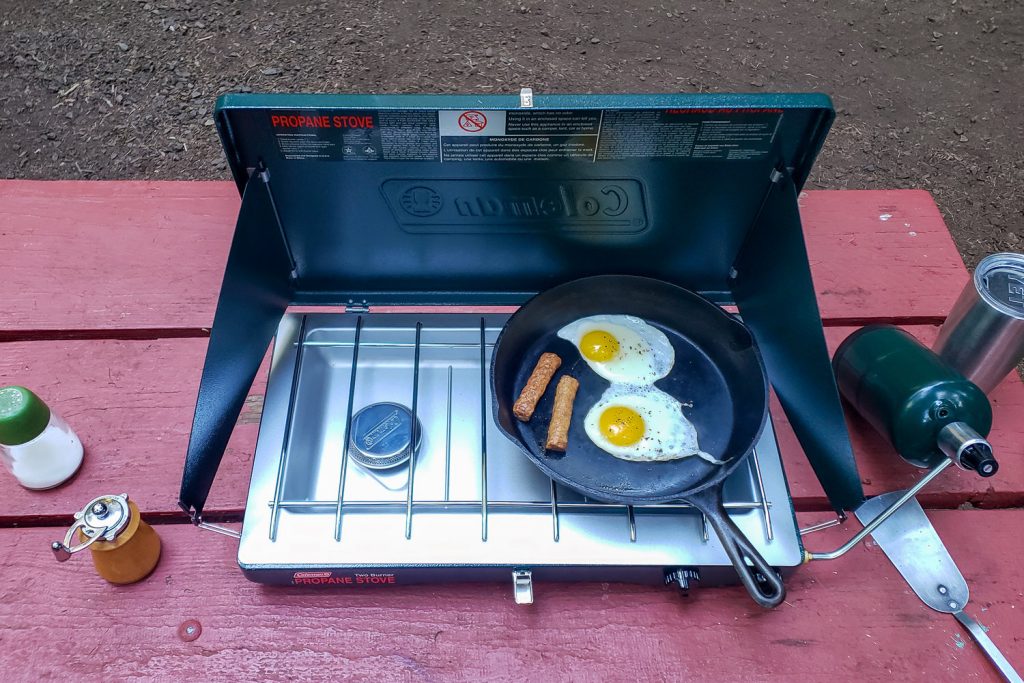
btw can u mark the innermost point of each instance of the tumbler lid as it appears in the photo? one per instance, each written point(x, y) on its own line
point(999, 279)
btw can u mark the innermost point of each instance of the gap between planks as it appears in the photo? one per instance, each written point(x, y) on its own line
point(148, 334)
point(169, 518)
point(934, 502)
point(105, 334)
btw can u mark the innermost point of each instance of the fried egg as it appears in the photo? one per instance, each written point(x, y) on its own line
point(621, 348)
point(642, 424)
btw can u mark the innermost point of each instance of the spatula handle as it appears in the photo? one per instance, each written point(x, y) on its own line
point(988, 647)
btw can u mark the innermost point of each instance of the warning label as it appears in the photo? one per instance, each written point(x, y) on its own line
point(356, 135)
point(477, 135)
point(518, 135)
point(692, 133)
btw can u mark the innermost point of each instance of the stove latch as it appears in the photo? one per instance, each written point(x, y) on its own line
point(357, 307)
point(681, 578)
point(522, 586)
point(526, 98)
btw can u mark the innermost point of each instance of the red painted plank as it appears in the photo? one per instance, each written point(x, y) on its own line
point(131, 402)
point(880, 254)
point(150, 255)
point(114, 255)
point(851, 619)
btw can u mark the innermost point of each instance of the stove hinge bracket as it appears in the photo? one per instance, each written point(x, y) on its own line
point(357, 307)
point(522, 586)
point(197, 519)
point(218, 529)
point(776, 175)
point(526, 98)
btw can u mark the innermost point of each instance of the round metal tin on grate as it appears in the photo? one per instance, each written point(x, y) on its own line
point(381, 435)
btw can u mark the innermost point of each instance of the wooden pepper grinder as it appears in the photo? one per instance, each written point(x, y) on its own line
point(124, 548)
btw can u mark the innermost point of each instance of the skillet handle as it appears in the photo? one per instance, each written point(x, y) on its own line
point(767, 593)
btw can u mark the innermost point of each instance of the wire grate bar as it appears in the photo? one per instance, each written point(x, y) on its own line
point(415, 431)
point(396, 345)
point(282, 462)
point(502, 505)
point(483, 430)
point(448, 441)
point(555, 530)
point(767, 514)
point(348, 427)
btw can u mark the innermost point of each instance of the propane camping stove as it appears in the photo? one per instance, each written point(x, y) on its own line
point(378, 460)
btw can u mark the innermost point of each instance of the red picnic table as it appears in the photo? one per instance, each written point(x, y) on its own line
point(110, 289)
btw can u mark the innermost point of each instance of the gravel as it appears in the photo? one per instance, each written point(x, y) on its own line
point(928, 93)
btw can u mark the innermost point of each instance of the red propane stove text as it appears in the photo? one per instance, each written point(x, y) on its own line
point(328, 579)
point(300, 121)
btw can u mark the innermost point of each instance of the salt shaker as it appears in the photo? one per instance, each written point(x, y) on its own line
point(36, 444)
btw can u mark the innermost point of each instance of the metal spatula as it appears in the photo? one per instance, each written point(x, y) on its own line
point(911, 543)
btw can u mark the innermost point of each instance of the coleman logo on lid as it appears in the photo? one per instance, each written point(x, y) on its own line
point(613, 206)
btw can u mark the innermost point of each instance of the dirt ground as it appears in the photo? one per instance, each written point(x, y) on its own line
point(928, 93)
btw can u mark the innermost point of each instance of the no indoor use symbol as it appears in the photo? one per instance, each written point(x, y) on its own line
point(472, 121)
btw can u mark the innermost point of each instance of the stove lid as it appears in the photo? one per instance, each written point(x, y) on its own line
point(398, 199)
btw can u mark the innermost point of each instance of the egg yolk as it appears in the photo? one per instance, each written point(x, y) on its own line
point(621, 426)
point(599, 346)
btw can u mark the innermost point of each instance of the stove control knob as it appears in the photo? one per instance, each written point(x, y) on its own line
point(681, 578)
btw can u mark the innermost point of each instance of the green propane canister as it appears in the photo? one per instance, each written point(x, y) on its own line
point(927, 410)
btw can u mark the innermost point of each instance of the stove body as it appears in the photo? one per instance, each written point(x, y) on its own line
point(479, 510)
point(367, 202)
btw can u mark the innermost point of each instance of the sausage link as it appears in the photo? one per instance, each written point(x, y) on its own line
point(561, 414)
point(535, 387)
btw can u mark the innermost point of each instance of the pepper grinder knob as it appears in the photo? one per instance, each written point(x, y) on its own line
point(60, 551)
point(102, 519)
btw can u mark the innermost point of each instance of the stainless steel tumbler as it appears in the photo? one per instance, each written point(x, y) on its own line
point(983, 337)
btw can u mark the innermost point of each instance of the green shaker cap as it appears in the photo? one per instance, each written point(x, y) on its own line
point(23, 416)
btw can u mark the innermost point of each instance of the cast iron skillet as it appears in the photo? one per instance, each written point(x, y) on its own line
point(718, 368)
